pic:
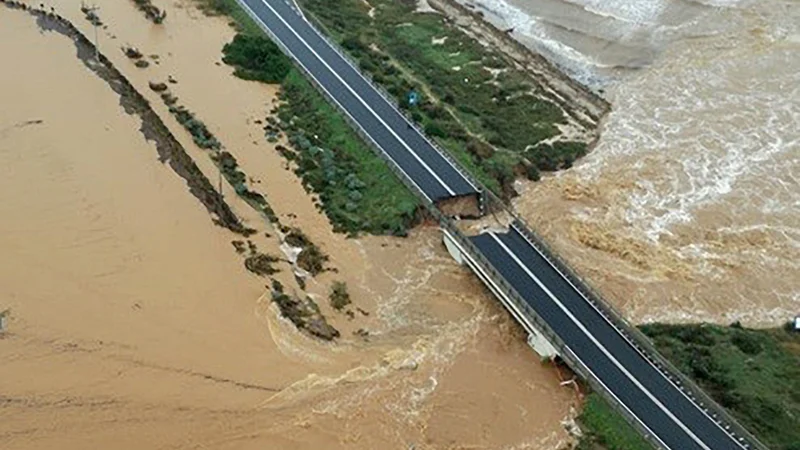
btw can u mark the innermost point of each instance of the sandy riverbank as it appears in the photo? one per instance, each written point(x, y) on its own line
point(134, 323)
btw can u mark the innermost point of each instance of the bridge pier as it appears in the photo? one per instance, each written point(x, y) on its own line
point(536, 339)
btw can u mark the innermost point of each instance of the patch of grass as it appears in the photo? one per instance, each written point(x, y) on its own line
point(470, 97)
point(604, 428)
point(339, 297)
point(357, 190)
point(755, 374)
point(256, 58)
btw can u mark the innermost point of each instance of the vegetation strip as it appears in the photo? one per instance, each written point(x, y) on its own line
point(169, 149)
point(493, 117)
point(224, 160)
point(356, 189)
point(754, 374)
point(303, 313)
point(151, 11)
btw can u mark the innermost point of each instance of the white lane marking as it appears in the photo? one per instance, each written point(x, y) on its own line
point(300, 38)
point(693, 403)
point(476, 266)
point(600, 346)
point(347, 61)
point(255, 17)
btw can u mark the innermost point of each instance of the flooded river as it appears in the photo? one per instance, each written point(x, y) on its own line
point(133, 322)
point(688, 208)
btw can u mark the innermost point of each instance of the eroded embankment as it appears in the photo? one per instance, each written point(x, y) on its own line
point(153, 129)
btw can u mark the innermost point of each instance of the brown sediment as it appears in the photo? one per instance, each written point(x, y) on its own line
point(135, 324)
point(169, 149)
point(310, 259)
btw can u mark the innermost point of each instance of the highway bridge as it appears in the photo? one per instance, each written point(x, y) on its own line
point(559, 312)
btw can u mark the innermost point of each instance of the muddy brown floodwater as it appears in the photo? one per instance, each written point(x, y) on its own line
point(135, 325)
point(688, 207)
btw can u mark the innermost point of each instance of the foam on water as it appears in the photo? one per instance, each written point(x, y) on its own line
point(695, 180)
point(640, 12)
point(506, 15)
point(599, 42)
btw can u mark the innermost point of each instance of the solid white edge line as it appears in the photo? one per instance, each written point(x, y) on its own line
point(325, 63)
point(600, 346)
point(254, 15)
point(626, 339)
point(394, 107)
point(476, 267)
point(264, 26)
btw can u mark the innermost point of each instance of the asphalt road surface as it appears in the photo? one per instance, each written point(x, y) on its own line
point(675, 420)
point(659, 406)
point(433, 174)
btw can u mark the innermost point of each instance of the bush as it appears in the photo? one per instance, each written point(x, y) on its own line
point(753, 373)
point(339, 296)
point(261, 264)
point(256, 58)
point(434, 129)
point(312, 260)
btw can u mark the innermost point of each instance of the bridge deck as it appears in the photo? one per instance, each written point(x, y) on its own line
point(639, 387)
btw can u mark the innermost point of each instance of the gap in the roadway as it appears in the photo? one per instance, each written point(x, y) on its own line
point(498, 221)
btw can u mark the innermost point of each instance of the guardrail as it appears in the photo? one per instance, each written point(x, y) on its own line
point(632, 334)
point(315, 23)
point(488, 201)
point(477, 258)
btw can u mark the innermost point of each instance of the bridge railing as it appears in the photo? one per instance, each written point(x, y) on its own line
point(477, 258)
point(492, 201)
point(635, 337)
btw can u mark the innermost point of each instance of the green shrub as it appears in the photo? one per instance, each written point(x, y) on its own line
point(604, 428)
point(339, 297)
point(257, 58)
point(753, 373)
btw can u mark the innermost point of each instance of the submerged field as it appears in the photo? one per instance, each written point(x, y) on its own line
point(136, 321)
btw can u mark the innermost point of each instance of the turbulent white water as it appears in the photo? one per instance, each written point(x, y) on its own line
point(699, 159)
point(599, 41)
